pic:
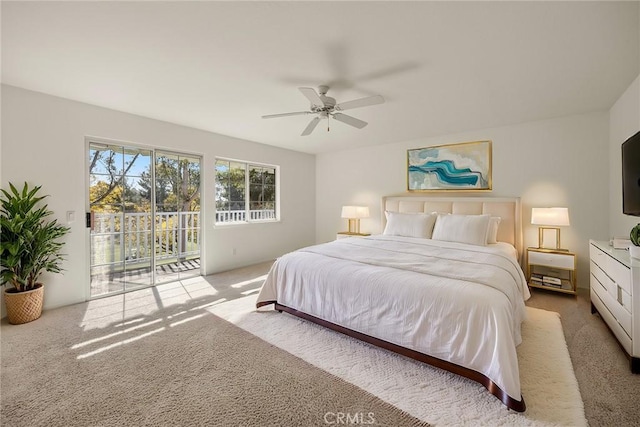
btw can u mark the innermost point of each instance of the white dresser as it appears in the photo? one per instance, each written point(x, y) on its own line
point(615, 294)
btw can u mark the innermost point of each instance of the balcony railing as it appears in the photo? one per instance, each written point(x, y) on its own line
point(240, 216)
point(116, 237)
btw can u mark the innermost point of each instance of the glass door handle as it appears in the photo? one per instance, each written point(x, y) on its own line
point(89, 219)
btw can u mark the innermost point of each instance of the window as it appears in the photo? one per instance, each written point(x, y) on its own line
point(234, 203)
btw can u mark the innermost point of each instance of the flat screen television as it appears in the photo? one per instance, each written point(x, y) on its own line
point(631, 176)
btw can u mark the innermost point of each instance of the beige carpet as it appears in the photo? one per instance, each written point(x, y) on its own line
point(548, 382)
point(159, 362)
point(159, 357)
point(609, 390)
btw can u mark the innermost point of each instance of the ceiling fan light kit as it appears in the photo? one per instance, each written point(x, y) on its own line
point(324, 106)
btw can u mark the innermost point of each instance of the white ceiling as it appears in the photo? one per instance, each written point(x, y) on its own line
point(443, 67)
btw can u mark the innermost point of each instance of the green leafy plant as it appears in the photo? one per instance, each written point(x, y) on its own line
point(635, 235)
point(29, 243)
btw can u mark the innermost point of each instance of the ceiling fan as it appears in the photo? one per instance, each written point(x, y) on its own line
point(324, 106)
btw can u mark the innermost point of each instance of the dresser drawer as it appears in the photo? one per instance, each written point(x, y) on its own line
point(618, 305)
point(610, 320)
point(615, 292)
point(598, 287)
point(622, 316)
point(604, 280)
point(597, 256)
point(597, 272)
point(620, 274)
point(566, 262)
point(626, 301)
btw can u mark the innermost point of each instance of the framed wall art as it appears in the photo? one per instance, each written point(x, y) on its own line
point(453, 167)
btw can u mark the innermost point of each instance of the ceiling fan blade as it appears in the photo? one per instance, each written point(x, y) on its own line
point(312, 96)
point(298, 113)
point(362, 102)
point(352, 121)
point(311, 126)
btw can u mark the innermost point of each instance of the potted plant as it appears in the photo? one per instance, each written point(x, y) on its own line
point(634, 249)
point(29, 246)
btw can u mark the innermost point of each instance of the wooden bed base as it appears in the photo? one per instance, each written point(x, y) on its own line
point(518, 406)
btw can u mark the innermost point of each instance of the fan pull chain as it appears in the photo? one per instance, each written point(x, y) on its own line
point(328, 115)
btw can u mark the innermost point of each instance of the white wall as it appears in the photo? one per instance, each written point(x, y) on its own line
point(558, 162)
point(43, 142)
point(624, 121)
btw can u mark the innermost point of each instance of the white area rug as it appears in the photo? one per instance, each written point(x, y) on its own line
point(549, 384)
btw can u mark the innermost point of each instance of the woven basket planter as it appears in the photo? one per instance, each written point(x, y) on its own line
point(24, 307)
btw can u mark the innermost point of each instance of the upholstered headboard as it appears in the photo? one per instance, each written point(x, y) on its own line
point(507, 208)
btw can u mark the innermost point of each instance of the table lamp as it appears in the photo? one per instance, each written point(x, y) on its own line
point(353, 214)
point(550, 219)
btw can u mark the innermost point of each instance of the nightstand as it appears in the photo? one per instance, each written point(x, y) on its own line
point(551, 269)
point(345, 234)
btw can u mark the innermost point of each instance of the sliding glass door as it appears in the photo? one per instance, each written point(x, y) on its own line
point(177, 212)
point(145, 217)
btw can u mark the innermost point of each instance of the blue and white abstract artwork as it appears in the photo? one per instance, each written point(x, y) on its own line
point(462, 167)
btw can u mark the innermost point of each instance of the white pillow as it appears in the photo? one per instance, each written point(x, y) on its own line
point(409, 224)
point(470, 229)
point(492, 232)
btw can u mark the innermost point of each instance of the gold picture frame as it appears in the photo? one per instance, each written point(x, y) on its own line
point(465, 166)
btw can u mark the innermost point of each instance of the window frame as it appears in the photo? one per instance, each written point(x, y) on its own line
point(247, 193)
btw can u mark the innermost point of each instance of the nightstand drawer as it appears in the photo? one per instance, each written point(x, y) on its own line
point(552, 260)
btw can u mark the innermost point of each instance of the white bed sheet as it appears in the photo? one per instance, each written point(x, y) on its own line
point(459, 303)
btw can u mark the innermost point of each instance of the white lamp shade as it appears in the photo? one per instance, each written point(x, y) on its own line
point(557, 217)
point(355, 212)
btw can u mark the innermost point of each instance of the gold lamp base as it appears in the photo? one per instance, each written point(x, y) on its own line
point(541, 233)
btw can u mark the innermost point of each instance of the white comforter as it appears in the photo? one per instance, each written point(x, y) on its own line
point(459, 303)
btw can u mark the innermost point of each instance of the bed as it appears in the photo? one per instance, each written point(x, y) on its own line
point(427, 288)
